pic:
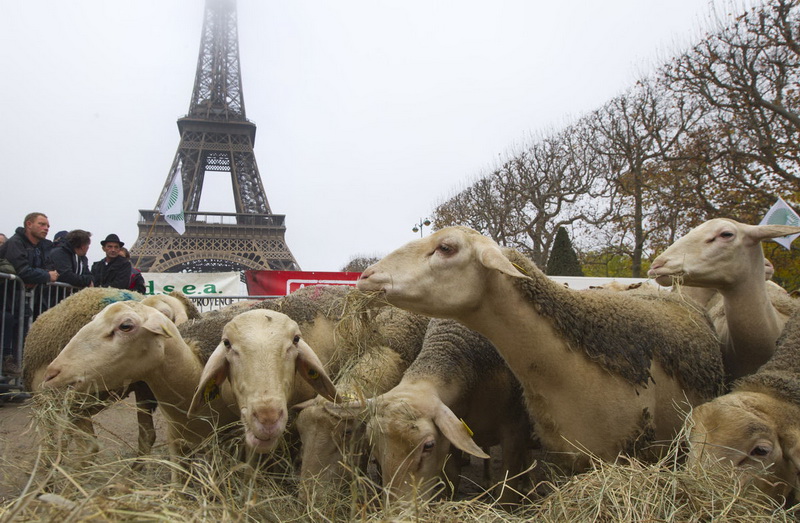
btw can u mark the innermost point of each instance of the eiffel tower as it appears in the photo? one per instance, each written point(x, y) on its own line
point(216, 136)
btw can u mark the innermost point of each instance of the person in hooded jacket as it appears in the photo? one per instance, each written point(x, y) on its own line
point(69, 259)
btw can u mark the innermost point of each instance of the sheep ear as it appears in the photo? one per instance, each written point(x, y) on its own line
point(350, 410)
point(766, 232)
point(792, 449)
point(158, 324)
point(214, 375)
point(297, 407)
point(457, 431)
point(310, 368)
point(491, 257)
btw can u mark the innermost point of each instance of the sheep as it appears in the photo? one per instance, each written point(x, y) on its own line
point(393, 339)
point(130, 341)
point(756, 426)
point(726, 255)
point(260, 352)
point(53, 329)
point(602, 372)
point(51, 332)
point(458, 384)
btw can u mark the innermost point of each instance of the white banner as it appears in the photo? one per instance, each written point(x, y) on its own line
point(195, 284)
point(208, 291)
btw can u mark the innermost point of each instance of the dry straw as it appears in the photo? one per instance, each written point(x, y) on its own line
point(68, 484)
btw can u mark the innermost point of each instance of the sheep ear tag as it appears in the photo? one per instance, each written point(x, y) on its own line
point(211, 391)
point(469, 430)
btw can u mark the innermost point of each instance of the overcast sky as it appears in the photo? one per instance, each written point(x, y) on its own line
point(369, 112)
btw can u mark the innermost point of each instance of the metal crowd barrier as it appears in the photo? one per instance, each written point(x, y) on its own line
point(20, 307)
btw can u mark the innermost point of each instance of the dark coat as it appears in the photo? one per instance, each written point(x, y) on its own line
point(28, 259)
point(115, 274)
point(72, 269)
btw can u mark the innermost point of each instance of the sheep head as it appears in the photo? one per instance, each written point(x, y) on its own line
point(260, 352)
point(333, 445)
point(718, 253)
point(411, 436)
point(749, 431)
point(120, 345)
point(442, 275)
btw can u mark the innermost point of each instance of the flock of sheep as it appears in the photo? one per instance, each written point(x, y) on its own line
point(510, 358)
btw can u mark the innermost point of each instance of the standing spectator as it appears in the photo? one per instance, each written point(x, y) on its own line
point(114, 270)
point(137, 280)
point(27, 250)
point(3, 238)
point(68, 257)
point(58, 238)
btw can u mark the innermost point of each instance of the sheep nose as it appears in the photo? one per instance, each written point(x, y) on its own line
point(268, 418)
point(369, 271)
point(653, 268)
point(50, 374)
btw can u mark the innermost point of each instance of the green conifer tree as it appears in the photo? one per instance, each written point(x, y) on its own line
point(563, 261)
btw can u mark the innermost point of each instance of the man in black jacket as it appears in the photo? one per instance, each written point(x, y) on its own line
point(69, 259)
point(27, 250)
point(114, 270)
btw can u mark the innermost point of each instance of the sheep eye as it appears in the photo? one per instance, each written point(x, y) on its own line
point(726, 234)
point(126, 326)
point(226, 343)
point(759, 450)
point(296, 339)
point(445, 249)
point(428, 446)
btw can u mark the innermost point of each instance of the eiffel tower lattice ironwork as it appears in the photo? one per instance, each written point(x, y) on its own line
point(216, 136)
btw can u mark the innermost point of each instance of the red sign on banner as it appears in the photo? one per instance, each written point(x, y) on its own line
point(281, 283)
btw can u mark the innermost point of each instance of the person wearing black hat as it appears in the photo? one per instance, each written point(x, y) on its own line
point(114, 270)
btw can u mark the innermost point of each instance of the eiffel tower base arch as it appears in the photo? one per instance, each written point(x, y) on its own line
point(213, 242)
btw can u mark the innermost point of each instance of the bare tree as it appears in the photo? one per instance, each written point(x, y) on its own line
point(747, 74)
point(635, 133)
point(549, 183)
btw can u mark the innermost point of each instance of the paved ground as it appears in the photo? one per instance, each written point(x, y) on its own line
point(19, 441)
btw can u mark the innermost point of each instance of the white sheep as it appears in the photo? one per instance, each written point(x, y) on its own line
point(129, 341)
point(331, 443)
point(458, 392)
point(53, 329)
point(756, 427)
point(260, 353)
point(602, 372)
point(727, 256)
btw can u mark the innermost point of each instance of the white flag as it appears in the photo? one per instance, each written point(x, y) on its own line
point(172, 206)
point(782, 214)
